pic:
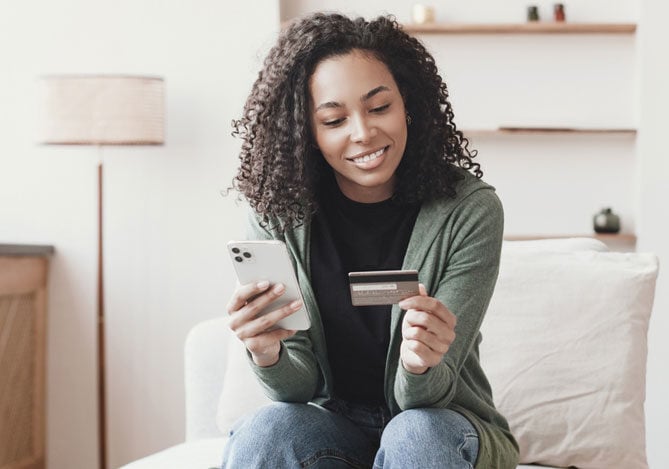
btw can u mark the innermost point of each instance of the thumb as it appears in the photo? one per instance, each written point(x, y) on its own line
point(422, 290)
point(280, 334)
point(287, 333)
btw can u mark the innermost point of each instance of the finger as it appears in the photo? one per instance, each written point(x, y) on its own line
point(243, 293)
point(449, 318)
point(430, 305)
point(283, 334)
point(263, 343)
point(416, 318)
point(255, 307)
point(426, 303)
point(438, 342)
point(424, 319)
point(430, 323)
point(420, 354)
point(422, 290)
point(265, 322)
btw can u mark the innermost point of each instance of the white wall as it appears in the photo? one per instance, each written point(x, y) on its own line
point(166, 223)
point(653, 222)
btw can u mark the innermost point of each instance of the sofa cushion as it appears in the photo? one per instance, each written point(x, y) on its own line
point(201, 454)
point(241, 392)
point(564, 347)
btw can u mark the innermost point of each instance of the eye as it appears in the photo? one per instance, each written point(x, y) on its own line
point(380, 108)
point(333, 122)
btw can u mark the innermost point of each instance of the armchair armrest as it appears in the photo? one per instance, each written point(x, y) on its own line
point(205, 350)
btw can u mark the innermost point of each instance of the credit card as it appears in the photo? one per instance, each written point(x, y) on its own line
point(382, 287)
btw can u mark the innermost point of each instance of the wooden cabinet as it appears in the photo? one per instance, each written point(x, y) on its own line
point(23, 281)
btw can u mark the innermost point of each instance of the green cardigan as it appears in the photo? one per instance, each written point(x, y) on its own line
point(455, 246)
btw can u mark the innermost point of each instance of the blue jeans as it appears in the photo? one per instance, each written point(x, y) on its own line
point(341, 435)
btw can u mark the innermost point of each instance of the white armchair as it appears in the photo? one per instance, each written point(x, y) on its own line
point(564, 347)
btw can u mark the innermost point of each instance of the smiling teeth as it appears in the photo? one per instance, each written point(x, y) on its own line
point(370, 157)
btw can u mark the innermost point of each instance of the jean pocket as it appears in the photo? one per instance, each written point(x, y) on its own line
point(469, 448)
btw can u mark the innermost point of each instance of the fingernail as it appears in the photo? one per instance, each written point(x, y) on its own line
point(278, 288)
point(297, 304)
point(262, 284)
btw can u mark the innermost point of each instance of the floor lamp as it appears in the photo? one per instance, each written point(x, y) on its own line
point(102, 110)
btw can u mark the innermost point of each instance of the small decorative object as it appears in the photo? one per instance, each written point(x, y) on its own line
point(606, 222)
point(558, 12)
point(532, 13)
point(423, 14)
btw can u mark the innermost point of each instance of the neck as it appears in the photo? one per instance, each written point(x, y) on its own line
point(365, 195)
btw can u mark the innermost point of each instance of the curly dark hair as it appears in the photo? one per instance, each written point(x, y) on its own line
point(281, 166)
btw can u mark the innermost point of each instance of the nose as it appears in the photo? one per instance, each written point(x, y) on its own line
point(361, 131)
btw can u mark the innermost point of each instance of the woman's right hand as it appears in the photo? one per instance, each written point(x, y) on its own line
point(257, 332)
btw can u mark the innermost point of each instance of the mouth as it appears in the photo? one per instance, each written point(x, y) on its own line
point(366, 158)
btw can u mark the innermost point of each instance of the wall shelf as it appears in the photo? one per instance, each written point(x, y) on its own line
point(541, 27)
point(627, 238)
point(546, 131)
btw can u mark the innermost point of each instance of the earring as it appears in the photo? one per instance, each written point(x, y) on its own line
point(408, 119)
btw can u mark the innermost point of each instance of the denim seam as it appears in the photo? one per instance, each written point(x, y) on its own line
point(466, 437)
point(333, 454)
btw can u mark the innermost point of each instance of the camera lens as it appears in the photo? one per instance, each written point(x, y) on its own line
point(235, 250)
point(247, 255)
point(239, 259)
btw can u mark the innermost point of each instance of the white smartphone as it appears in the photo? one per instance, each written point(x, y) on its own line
point(269, 260)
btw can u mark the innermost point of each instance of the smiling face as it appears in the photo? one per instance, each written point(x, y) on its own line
point(359, 122)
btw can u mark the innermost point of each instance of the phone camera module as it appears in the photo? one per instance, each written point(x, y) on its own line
point(239, 259)
point(247, 255)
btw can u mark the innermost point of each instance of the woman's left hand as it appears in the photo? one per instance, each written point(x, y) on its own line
point(428, 330)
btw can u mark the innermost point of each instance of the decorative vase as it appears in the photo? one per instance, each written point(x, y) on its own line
point(606, 222)
point(423, 14)
point(558, 12)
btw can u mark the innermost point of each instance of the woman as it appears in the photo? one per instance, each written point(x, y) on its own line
point(350, 155)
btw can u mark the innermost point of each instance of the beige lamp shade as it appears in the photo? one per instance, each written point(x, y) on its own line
point(102, 110)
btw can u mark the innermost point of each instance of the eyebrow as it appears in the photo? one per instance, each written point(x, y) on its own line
point(363, 98)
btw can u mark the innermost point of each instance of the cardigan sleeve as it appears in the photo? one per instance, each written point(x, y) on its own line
point(462, 275)
point(294, 378)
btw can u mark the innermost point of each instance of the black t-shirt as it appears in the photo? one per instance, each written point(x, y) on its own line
point(349, 236)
